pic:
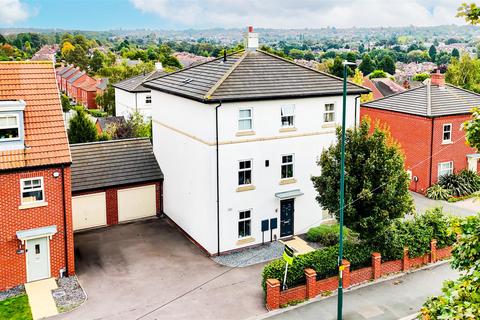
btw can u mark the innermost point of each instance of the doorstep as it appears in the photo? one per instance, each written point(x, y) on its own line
point(299, 245)
point(40, 298)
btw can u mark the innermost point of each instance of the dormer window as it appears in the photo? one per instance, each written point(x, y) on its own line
point(9, 127)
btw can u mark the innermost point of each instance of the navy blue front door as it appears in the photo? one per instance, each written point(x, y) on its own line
point(287, 210)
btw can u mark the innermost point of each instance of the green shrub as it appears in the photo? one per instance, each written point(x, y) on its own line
point(440, 224)
point(461, 184)
point(97, 113)
point(421, 77)
point(327, 235)
point(437, 192)
point(377, 74)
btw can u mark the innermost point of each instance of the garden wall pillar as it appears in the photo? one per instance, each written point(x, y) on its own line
point(346, 273)
point(273, 294)
point(433, 251)
point(376, 265)
point(311, 276)
point(406, 260)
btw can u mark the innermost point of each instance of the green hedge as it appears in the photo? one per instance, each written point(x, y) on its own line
point(323, 261)
point(327, 234)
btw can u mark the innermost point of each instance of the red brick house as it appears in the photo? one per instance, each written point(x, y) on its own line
point(87, 91)
point(59, 72)
point(72, 91)
point(36, 233)
point(427, 122)
point(67, 75)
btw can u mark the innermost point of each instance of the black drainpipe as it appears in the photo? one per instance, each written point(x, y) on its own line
point(431, 154)
point(218, 178)
point(65, 233)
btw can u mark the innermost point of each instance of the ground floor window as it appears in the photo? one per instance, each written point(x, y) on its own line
point(445, 168)
point(244, 224)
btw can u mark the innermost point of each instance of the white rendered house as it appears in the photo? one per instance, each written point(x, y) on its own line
point(131, 96)
point(238, 139)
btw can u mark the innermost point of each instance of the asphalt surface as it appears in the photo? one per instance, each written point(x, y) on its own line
point(463, 208)
point(389, 300)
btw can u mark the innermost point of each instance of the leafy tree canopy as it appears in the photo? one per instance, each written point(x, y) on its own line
point(367, 65)
point(377, 74)
point(472, 128)
point(464, 72)
point(81, 128)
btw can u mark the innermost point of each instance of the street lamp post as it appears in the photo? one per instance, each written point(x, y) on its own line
point(342, 193)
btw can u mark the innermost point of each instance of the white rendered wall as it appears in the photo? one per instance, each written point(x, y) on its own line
point(127, 103)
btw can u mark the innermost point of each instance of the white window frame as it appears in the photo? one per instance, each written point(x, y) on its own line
point(292, 114)
point(148, 99)
point(240, 220)
point(440, 169)
point(248, 118)
point(450, 132)
point(242, 170)
point(17, 118)
point(286, 164)
point(42, 188)
point(325, 112)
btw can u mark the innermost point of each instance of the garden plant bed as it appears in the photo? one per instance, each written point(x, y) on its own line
point(69, 294)
point(15, 308)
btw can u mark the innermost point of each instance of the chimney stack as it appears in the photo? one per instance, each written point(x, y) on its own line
point(252, 40)
point(437, 79)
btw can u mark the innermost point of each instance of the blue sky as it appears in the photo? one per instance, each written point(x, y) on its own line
point(182, 14)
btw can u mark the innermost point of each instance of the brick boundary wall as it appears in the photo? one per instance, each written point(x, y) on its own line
point(275, 297)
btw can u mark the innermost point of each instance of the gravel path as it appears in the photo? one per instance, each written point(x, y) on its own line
point(13, 292)
point(247, 257)
point(69, 294)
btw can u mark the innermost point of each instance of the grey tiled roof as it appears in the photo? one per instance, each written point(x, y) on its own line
point(251, 75)
point(134, 84)
point(75, 77)
point(103, 164)
point(446, 100)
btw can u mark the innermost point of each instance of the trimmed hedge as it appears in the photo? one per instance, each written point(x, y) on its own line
point(327, 235)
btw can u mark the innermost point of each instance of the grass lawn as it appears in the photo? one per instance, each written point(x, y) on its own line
point(16, 308)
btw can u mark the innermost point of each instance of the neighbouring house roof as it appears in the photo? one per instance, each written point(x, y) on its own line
point(64, 69)
point(134, 84)
point(75, 77)
point(106, 121)
point(45, 136)
point(382, 87)
point(102, 84)
point(89, 84)
point(69, 73)
point(112, 163)
point(250, 75)
point(445, 100)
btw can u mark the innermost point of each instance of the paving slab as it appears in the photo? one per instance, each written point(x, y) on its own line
point(40, 298)
point(299, 245)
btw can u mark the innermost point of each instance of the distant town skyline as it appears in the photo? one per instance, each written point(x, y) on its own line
point(98, 15)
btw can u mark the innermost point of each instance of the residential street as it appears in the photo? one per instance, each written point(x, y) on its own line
point(389, 300)
point(462, 208)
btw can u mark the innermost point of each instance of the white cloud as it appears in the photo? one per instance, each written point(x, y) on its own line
point(12, 11)
point(302, 13)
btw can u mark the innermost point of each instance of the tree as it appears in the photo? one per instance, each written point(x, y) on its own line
point(377, 74)
point(421, 77)
point(367, 65)
point(133, 127)
point(376, 183)
point(472, 127)
point(358, 79)
point(337, 68)
point(65, 103)
point(461, 297)
point(464, 72)
point(455, 53)
point(443, 57)
point(81, 128)
point(78, 57)
point(96, 61)
point(470, 12)
point(106, 100)
point(432, 52)
point(387, 64)
point(67, 48)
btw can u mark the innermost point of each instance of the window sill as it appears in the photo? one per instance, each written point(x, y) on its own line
point(287, 129)
point(329, 125)
point(245, 240)
point(447, 142)
point(245, 188)
point(33, 205)
point(245, 133)
point(288, 181)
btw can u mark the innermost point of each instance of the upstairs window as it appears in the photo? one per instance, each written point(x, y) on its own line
point(245, 120)
point(445, 168)
point(9, 127)
point(148, 99)
point(288, 116)
point(287, 166)
point(329, 113)
point(244, 224)
point(447, 133)
point(32, 190)
point(245, 172)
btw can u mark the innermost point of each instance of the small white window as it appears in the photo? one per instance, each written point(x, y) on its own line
point(288, 116)
point(245, 119)
point(244, 172)
point(329, 113)
point(148, 99)
point(9, 127)
point(32, 190)
point(445, 168)
point(244, 223)
point(287, 166)
point(447, 133)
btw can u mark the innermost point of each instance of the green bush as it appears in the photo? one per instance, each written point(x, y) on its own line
point(97, 113)
point(377, 74)
point(460, 184)
point(327, 235)
point(421, 77)
point(437, 192)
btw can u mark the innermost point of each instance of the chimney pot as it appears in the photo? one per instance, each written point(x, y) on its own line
point(437, 79)
point(250, 28)
point(252, 40)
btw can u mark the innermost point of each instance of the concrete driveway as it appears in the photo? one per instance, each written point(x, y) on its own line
point(131, 271)
point(463, 208)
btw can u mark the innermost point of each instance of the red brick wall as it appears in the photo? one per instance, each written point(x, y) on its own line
point(361, 275)
point(13, 265)
point(414, 135)
point(391, 267)
point(293, 294)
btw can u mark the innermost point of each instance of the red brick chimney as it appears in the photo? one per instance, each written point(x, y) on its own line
point(437, 79)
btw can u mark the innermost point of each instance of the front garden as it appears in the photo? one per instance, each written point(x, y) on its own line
point(455, 186)
point(15, 308)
